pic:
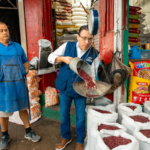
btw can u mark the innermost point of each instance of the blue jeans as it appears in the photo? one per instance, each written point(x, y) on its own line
point(80, 105)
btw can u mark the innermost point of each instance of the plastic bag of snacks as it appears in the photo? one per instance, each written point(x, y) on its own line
point(34, 100)
point(35, 110)
point(110, 141)
point(138, 90)
point(127, 108)
point(34, 93)
point(139, 85)
point(142, 134)
point(51, 97)
point(33, 86)
point(114, 128)
point(134, 120)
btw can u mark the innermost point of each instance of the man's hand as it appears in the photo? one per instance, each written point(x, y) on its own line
point(66, 59)
point(26, 66)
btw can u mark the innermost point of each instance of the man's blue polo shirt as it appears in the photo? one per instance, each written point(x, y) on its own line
point(11, 50)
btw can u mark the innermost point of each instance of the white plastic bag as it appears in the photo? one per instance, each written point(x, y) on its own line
point(81, 24)
point(94, 132)
point(79, 14)
point(79, 21)
point(143, 140)
point(122, 109)
point(65, 22)
point(130, 124)
point(79, 18)
point(100, 145)
point(78, 10)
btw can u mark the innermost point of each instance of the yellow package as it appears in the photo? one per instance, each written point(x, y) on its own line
point(134, 26)
point(138, 90)
point(59, 34)
point(134, 43)
point(65, 26)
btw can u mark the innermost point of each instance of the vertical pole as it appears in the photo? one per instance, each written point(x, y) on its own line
point(126, 37)
point(118, 39)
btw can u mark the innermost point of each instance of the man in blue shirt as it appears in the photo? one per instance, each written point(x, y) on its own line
point(13, 89)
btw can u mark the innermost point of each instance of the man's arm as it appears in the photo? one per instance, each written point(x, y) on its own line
point(63, 59)
point(58, 56)
point(26, 66)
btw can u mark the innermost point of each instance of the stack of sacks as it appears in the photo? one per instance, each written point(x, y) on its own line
point(127, 108)
point(108, 140)
point(34, 93)
point(135, 120)
point(96, 114)
point(142, 134)
point(135, 25)
point(63, 11)
point(79, 16)
point(100, 127)
point(51, 98)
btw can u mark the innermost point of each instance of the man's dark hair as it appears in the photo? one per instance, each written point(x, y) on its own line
point(85, 27)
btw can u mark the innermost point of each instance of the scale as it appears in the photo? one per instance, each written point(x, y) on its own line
point(93, 23)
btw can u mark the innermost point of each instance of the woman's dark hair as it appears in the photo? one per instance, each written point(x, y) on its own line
point(85, 27)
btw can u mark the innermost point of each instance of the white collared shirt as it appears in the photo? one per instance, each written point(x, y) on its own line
point(61, 50)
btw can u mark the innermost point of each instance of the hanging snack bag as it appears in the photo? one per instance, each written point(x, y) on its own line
point(134, 31)
point(134, 26)
point(134, 21)
point(133, 8)
point(134, 13)
point(133, 17)
point(132, 39)
point(133, 35)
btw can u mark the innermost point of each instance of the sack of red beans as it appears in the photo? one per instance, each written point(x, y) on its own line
point(121, 141)
point(134, 120)
point(147, 107)
point(142, 134)
point(99, 102)
point(127, 108)
point(113, 128)
point(99, 113)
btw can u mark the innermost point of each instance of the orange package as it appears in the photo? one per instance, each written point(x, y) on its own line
point(33, 72)
point(34, 93)
point(51, 97)
point(35, 110)
point(33, 86)
point(34, 100)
